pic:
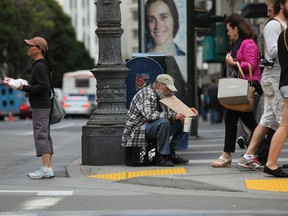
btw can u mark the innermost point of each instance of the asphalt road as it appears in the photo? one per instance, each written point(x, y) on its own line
point(85, 196)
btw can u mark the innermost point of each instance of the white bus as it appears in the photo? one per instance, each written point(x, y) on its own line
point(81, 82)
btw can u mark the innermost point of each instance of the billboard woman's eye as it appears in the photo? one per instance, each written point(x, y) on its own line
point(164, 17)
point(151, 19)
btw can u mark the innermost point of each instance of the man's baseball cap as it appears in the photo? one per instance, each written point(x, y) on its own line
point(167, 80)
point(38, 41)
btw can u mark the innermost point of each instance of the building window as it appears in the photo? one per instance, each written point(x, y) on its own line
point(135, 33)
point(88, 40)
point(135, 15)
point(135, 49)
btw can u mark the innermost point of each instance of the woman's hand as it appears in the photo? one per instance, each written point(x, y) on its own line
point(229, 60)
point(20, 87)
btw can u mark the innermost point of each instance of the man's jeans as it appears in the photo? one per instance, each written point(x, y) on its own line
point(169, 135)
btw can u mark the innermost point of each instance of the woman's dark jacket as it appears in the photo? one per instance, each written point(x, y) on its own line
point(39, 90)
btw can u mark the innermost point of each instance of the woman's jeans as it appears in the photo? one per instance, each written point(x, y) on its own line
point(169, 135)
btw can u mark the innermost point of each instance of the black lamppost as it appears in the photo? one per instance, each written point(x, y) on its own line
point(101, 136)
point(191, 56)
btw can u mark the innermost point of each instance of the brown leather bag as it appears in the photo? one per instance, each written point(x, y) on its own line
point(243, 107)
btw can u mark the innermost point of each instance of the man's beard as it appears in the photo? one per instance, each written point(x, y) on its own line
point(160, 94)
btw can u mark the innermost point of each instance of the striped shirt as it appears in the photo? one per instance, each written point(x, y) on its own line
point(145, 107)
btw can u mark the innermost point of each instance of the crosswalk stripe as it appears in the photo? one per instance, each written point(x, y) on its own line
point(42, 203)
point(205, 161)
point(191, 152)
point(39, 192)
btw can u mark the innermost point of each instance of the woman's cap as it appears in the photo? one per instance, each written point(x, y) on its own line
point(167, 80)
point(38, 41)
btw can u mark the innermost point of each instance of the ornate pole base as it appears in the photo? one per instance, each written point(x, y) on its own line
point(102, 145)
point(101, 136)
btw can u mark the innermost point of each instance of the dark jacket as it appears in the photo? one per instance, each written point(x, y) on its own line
point(39, 90)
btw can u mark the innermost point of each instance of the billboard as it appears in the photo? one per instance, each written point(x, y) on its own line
point(163, 29)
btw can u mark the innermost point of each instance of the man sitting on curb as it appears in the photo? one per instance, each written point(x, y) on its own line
point(148, 118)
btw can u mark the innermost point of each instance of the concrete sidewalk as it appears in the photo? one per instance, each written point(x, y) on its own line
point(192, 176)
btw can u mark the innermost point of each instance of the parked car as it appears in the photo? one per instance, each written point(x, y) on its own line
point(77, 106)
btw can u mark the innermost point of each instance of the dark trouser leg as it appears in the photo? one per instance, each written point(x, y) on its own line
point(159, 130)
point(180, 139)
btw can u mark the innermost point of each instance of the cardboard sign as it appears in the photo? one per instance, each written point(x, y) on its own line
point(177, 106)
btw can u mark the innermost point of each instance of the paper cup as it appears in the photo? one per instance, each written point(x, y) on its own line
point(187, 124)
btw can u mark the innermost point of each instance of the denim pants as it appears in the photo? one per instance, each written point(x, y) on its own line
point(169, 135)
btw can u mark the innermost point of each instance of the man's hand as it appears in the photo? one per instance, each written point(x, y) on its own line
point(195, 111)
point(180, 116)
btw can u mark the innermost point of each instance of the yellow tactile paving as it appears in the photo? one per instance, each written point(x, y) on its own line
point(133, 174)
point(278, 185)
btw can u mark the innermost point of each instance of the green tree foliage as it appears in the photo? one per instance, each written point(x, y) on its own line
point(26, 19)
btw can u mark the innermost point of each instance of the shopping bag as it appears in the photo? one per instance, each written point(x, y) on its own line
point(233, 91)
point(57, 111)
point(236, 93)
point(248, 107)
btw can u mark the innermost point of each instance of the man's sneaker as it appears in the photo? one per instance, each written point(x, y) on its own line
point(277, 172)
point(177, 159)
point(241, 142)
point(162, 160)
point(42, 173)
point(250, 163)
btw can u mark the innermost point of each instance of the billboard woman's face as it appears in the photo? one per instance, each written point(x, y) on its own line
point(160, 23)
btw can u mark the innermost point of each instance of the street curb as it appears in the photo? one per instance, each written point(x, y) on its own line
point(74, 171)
point(60, 172)
point(179, 183)
point(197, 178)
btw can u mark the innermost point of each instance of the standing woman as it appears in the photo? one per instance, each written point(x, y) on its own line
point(39, 93)
point(245, 51)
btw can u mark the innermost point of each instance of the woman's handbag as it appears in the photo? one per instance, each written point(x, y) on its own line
point(237, 94)
point(57, 111)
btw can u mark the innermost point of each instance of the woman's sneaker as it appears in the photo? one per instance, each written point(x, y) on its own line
point(42, 173)
point(251, 163)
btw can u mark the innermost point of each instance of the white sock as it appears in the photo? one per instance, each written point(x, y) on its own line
point(247, 156)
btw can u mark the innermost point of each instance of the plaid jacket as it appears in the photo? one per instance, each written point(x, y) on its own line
point(145, 107)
